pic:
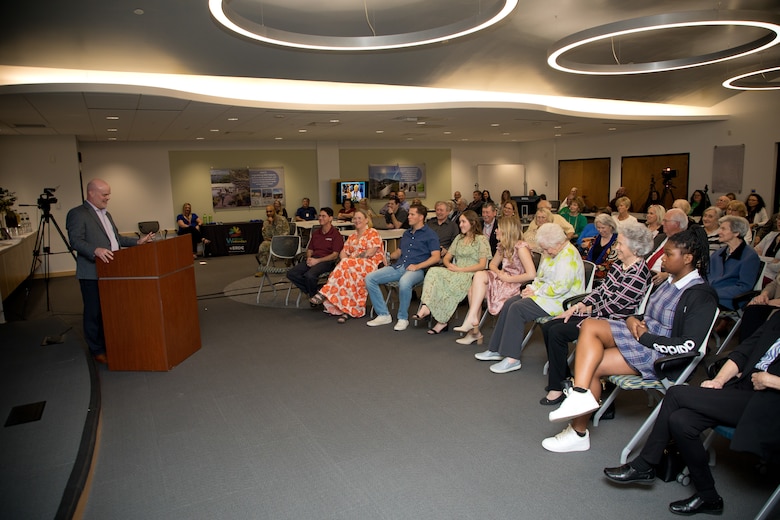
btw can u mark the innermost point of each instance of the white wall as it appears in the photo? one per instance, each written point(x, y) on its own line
point(753, 123)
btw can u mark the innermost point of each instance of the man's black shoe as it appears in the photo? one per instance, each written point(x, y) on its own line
point(695, 505)
point(626, 474)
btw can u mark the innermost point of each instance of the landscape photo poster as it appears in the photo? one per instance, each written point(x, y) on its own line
point(384, 178)
point(244, 187)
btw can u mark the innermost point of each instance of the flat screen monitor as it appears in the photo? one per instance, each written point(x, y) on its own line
point(352, 190)
point(526, 205)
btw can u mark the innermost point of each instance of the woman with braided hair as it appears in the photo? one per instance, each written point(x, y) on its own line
point(678, 317)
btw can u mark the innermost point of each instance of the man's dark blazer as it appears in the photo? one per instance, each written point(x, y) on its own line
point(86, 233)
point(492, 237)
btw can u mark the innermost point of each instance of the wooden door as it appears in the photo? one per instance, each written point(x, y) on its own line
point(643, 174)
point(590, 176)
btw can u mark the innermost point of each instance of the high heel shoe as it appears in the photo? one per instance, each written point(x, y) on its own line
point(463, 328)
point(471, 337)
point(434, 331)
point(419, 316)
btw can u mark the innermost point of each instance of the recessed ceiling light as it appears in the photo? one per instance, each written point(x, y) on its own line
point(494, 124)
point(380, 131)
point(139, 12)
point(504, 133)
point(111, 130)
point(302, 131)
point(612, 128)
point(232, 119)
point(112, 138)
point(278, 138)
point(199, 138)
point(557, 135)
point(661, 22)
point(557, 127)
point(420, 122)
point(483, 18)
point(447, 132)
point(335, 121)
point(112, 118)
point(214, 130)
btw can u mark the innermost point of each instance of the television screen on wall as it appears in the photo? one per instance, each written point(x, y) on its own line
point(352, 190)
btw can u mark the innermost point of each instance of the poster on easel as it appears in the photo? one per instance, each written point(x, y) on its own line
point(233, 188)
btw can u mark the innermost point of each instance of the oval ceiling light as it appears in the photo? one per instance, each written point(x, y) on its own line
point(740, 83)
point(229, 18)
point(761, 20)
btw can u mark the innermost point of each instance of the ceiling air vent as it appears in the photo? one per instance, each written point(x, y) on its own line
point(29, 125)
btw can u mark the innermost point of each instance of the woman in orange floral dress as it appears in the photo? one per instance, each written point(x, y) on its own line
point(345, 293)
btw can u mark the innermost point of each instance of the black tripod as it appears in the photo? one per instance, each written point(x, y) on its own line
point(43, 244)
point(653, 197)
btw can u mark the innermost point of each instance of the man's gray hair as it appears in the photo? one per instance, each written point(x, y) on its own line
point(639, 239)
point(678, 216)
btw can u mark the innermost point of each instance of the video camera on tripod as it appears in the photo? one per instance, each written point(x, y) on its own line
point(668, 174)
point(46, 199)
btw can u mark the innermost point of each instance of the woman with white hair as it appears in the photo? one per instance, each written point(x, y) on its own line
point(542, 216)
point(734, 267)
point(617, 298)
point(600, 249)
point(560, 276)
point(709, 220)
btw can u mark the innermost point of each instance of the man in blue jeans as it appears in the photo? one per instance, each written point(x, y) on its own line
point(418, 250)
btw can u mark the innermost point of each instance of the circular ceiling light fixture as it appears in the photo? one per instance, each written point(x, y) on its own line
point(742, 82)
point(484, 17)
point(766, 23)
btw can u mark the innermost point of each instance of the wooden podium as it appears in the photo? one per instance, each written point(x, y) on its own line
point(149, 304)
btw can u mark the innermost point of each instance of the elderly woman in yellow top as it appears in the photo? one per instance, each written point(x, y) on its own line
point(560, 276)
point(345, 293)
point(445, 287)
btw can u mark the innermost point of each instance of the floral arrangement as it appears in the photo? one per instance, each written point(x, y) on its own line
point(7, 199)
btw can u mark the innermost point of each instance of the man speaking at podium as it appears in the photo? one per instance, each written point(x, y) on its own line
point(94, 236)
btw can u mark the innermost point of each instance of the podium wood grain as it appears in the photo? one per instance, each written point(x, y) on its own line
point(149, 304)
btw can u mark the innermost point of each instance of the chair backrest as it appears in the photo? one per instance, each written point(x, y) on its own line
point(645, 298)
point(285, 246)
point(293, 227)
point(761, 273)
point(537, 257)
point(590, 273)
point(687, 372)
point(148, 226)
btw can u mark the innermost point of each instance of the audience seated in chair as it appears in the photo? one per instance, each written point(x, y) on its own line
point(561, 275)
point(445, 228)
point(617, 298)
point(601, 249)
point(510, 268)
point(344, 295)
point(274, 225)
point(305, 212)
point(188, 222)
point(744, 394)
point(418, 250)
point(324, 247)
point(678, 318)
point(734, 267)
point(446, 286)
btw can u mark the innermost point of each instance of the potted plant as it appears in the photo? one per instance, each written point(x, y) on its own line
point(7, 199)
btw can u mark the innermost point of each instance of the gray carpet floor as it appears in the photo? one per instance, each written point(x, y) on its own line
point(284, 413)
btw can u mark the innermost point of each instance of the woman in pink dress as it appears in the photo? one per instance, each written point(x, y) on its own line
point(345, 293)
point(510, 268)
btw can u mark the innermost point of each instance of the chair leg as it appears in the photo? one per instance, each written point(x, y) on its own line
point(262, 282)
point(605, 405)
point(640, 433)
point(730, 335)
point(769, 505)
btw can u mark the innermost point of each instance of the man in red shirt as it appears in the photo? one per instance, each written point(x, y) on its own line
point(321, 254)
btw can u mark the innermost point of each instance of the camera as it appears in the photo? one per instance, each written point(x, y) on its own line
point(668, 174)
point(46, 199)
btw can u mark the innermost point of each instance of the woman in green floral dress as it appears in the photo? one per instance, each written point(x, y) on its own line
point(445, 287)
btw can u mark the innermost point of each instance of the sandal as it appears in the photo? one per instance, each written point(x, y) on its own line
point(420, 317)
point(317, 299)
point(433, 330)
point(343, 318)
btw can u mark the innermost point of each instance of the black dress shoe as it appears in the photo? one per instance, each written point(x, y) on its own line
point(626, 474)
point(695, 505)
point(550, 402)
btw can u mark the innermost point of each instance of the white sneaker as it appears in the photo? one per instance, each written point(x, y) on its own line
point(401, 325)
point(382, 319)
point(567, 441)
point(506, 366)
point(575, 405)
point(489, 355)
